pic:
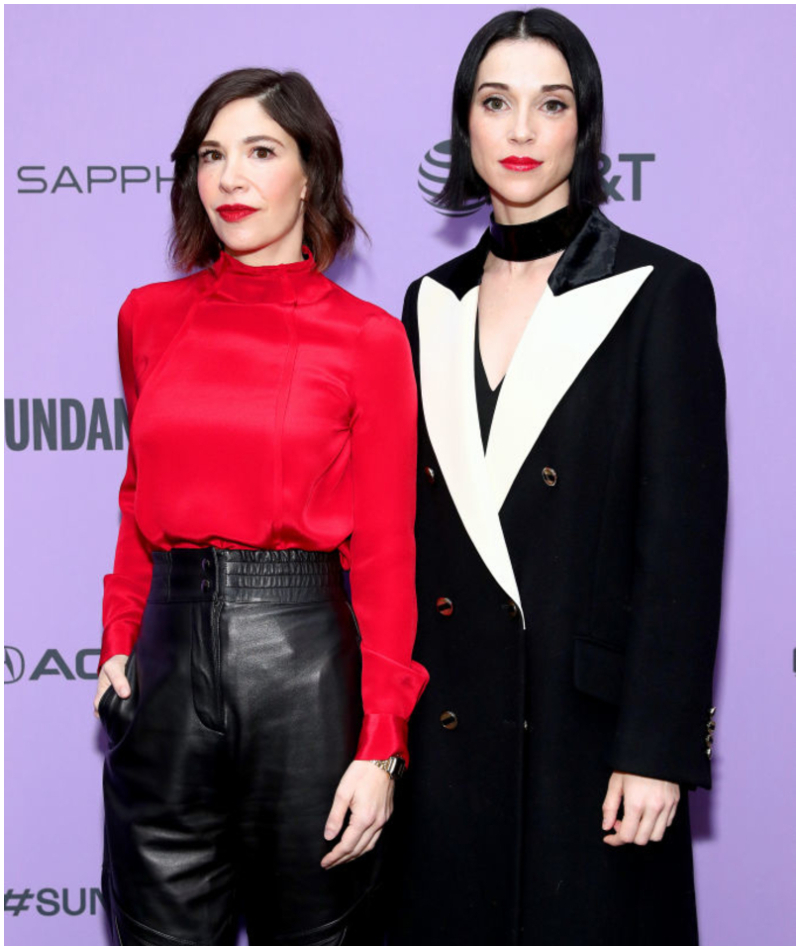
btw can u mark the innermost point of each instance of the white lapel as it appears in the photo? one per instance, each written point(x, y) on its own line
point(447, 384)
point(560, 338)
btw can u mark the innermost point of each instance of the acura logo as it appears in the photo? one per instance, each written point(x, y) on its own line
point(14, 665)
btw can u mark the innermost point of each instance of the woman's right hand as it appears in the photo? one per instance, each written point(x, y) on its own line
point(112, 674)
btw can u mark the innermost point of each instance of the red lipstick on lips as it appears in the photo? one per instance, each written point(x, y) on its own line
point(516, 164)
point(235, 212)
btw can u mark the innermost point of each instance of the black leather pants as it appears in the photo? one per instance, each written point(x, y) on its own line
point(223, 763)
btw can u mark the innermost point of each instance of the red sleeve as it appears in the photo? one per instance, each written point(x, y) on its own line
point(125, 591)
point(382, 550)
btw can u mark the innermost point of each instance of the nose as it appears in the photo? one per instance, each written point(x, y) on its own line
point(522, 131)
point(231, 179)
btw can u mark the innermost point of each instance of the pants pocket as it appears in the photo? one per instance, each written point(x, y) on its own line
point(116, 713)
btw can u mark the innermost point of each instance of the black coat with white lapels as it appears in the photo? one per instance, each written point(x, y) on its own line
point(569, 597)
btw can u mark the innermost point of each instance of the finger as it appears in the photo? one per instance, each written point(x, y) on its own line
point(370, 835)
point(614, 839)
point(374, 840)
point(631, 817)
point(355, 852)
point(120, 682)
point(335, 820)
point(660, 826)
point(672, 812)
point(611, 804)
point(351, 837)
point(647, 824)
point(103, 683)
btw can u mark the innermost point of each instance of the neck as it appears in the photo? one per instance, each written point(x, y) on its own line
point(507, 213)
point(540, 240)
point(286, 249)
point(268, 256)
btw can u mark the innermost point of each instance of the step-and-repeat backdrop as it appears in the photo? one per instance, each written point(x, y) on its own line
point(699, 156)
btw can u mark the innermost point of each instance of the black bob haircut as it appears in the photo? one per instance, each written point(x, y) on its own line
point(464, 187)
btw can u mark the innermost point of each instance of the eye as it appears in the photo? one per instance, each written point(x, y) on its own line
point(493, 104)
point(554, 106)
point(210, 155)
point(263, 151)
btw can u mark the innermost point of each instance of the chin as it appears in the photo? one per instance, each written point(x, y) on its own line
point(520, 196)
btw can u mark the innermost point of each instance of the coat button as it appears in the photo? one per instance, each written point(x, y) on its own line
point(449, 720)
point(511, 607)
point(205, 584)
point(445, 606)
point(550, 477)
point(205, 564)
point(430, 475)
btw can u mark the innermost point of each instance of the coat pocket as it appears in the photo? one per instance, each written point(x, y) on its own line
point(599, 669)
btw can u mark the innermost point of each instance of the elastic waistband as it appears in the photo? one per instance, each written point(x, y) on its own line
point(289, 576)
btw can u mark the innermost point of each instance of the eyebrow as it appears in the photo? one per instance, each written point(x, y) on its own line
point(552, 87)
point(210, 143)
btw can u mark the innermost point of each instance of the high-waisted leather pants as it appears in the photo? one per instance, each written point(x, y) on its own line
point(223, 763)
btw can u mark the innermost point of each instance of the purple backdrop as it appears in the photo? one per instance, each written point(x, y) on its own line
point(101, 92)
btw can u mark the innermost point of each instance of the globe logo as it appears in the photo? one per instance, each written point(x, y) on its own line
point(433, 171)
point(14, 665)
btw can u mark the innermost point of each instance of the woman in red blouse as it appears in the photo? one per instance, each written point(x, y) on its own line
point(272, 442)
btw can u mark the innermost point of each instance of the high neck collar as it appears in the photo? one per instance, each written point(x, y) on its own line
point(534, 239)
point(268, 283)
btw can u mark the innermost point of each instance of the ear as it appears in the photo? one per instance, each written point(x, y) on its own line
point(304, 192)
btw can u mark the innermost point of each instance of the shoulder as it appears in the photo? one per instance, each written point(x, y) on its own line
point(368, 320)
point(458, 274)
point(670, 269)
point(678, 305)
point(160, 297)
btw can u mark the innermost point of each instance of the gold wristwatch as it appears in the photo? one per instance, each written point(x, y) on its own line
point(395, 766)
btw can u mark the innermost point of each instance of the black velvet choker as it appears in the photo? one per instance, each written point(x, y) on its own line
point(534, 239)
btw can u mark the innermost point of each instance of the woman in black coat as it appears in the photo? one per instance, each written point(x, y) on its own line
point(571, 514)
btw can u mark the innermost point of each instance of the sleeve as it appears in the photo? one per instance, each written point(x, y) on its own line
point(664, 720)
point(125, 590)
point(382, 549)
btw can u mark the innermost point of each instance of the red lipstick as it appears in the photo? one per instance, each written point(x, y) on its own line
point(516, 164)
point(235, 212)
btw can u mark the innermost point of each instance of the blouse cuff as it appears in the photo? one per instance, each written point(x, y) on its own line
point(382, 736)
point(388, 686)
point(118, 637)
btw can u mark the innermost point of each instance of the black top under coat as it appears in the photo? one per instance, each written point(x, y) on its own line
point(486, 397)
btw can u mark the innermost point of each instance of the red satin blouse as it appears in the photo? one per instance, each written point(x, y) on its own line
point(269, 408)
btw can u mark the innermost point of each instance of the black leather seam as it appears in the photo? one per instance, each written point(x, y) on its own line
point(137, 923)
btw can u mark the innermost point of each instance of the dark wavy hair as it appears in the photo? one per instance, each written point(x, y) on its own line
point(290, 100)
point(464, 186)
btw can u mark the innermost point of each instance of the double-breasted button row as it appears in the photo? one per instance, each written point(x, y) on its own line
point(445, 607)
point(449, 720)
point(710, 728)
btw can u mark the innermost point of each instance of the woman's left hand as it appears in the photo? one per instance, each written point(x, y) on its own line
point(649, 808)
point(368, 792)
